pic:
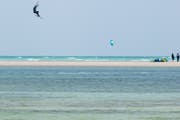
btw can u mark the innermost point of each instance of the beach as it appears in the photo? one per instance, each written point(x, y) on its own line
point(90, 60)
point(90, 63)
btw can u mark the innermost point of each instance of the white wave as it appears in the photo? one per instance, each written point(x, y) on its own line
point(74, 58)
point(33, 59)
point(20, 57)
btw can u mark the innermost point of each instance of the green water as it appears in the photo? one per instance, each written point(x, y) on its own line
point(89, 93)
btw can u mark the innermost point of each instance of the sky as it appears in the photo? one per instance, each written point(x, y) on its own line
point(85, 27)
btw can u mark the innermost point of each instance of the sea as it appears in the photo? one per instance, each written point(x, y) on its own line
point(81, 58)
point(88, 93)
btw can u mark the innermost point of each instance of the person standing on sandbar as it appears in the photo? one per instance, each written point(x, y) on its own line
point(172, 57)
point(177, 57)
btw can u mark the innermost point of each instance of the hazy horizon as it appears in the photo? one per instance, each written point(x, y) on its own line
point(84, 28)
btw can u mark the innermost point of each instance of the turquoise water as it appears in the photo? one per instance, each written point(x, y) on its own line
point(89, 93)
point(80, 58)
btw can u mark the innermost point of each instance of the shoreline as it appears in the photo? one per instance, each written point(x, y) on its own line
point(90, 63)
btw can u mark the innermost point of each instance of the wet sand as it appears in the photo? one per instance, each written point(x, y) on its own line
point(89, 63)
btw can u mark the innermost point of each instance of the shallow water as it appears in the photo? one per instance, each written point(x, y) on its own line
point(89, 93)
point(81, 58)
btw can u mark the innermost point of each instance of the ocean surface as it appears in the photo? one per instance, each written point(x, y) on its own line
point(81, 58)
point(89, 93)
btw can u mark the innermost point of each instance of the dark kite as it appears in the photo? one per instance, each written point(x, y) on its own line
point(35, 11)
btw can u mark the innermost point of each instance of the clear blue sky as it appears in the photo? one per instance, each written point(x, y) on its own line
point(84, 27)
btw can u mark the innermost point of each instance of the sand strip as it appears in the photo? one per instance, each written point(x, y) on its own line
point(83, 63)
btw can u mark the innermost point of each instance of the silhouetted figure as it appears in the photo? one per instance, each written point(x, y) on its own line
point(172, 57)
point(35, 10)
point(177, 57)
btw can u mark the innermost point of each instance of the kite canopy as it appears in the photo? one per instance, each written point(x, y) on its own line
point(111, 42)
point(35, 11)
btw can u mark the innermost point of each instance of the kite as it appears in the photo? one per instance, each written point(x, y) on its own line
point(111, 42)
point(35, 10)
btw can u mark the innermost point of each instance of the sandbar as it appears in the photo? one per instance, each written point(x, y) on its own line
point(90, 63)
